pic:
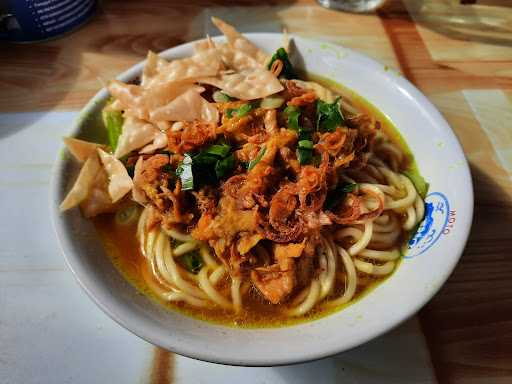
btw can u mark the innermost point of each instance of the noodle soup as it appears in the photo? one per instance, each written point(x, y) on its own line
point(235, 192)
point(120, 239)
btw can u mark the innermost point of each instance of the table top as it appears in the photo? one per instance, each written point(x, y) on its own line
point(460, 56)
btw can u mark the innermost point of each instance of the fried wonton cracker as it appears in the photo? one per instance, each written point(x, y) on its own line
point(137, 101)
point(83, 183)
point(98, 200)
point(189, 106)
point(136, 134)
point(160, 141)
point(80, 149)
point(120, 183)
point(248, 84)
point(239, 42)
point(237, 60)
point(158, 71)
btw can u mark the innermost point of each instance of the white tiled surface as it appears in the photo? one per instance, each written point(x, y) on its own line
point(50, 331)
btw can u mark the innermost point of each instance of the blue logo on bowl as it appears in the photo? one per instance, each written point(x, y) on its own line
point(434, 224)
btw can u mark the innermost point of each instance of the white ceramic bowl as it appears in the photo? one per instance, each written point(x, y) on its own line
point(430, 260)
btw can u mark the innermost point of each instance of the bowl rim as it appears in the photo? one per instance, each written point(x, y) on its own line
point(115, 312)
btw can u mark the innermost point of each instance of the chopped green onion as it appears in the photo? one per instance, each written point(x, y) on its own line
point(293, 114)
point(328, 116)
point(221, 97)
point(113, 121)
point(224, 166)
point(304, 135)
point(243, 110)
point(271, 102)
point(287, 72)
point(239, 112)
point(335, 196)
point(257, 159)
point(305, 151)
point(306, 144)
point(304, 155)
point(184, 172)
point(191, 261)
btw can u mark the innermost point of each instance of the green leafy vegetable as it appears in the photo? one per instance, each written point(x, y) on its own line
point(113, 121)
point(336, 196)
point(293, 114)
point(229, 112)
point(203, 169)
point(213, 163)
point(204, 159)
point(206, 167)
point(419, 182)
point(184, 172)
point(257, 159)
point(328, 116)
point(287, 72)
point(224, 166)
point(220, 150)
point(191, 261)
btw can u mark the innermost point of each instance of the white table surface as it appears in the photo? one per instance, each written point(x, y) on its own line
point(51, 332)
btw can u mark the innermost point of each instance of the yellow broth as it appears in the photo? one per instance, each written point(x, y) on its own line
point(124, 251)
